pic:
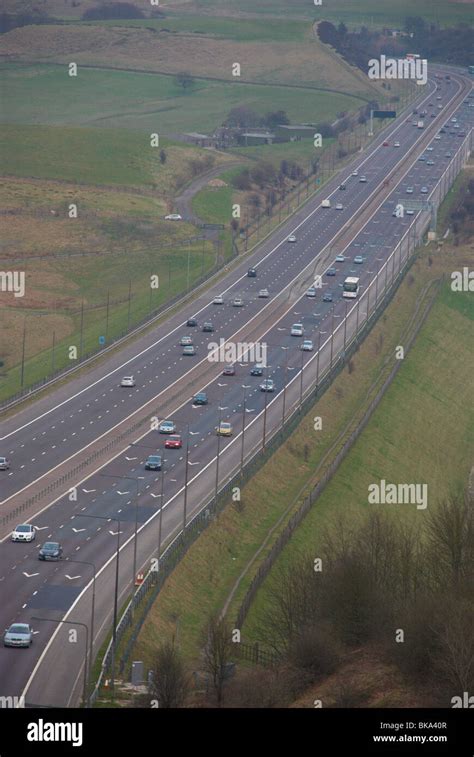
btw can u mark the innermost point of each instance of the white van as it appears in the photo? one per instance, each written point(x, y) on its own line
point(326, 204)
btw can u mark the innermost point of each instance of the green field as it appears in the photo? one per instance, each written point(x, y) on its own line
point(401, 443)
point(369, 12)
point(44, 94)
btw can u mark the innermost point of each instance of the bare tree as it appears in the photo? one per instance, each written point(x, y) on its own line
point(450, 530)
point(170, 683)
point(217, 651)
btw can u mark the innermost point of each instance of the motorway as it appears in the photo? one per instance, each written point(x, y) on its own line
point(60, 428)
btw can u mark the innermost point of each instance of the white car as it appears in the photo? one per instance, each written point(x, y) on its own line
point(396, 144)
point(307, 345)
point(438, 137)
point(292, 238)
point(127, 381)
point(24, 532)
point(311, 292)
point(4, 463)
point(238, 302)
point(429, 149)
point(173, 217)
point(355, 173)
point(218, 300)
point(264, 293)
point(297, 329)
point(339, 206)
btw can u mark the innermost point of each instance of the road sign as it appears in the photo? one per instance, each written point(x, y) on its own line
point(102, 340)
point(385, 114)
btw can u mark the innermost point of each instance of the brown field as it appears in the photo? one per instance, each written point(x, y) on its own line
point(138, 48)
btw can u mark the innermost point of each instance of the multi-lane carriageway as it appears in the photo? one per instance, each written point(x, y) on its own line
point(62, 425)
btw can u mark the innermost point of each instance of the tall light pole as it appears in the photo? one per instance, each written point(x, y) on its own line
point(136, 479)
point(265, 409)
point(301, 380)
point(160, 520)
point(218, 451)
point(74, 623)
point(91, 637)
point(117, 556)
point(185, 505)
point(244, 387)
point(284, 385)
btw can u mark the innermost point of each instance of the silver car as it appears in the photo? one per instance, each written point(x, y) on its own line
point(18, 635)
point(4, 463)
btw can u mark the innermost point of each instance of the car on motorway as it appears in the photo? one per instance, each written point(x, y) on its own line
point(454, 120)
point(327, 297)
point(18, 635)
point(24, 532)
point(224, 429)
point(442, 131)
point(207, 327)
point(51, 550)
point(311, 292)
point(422, 158)
point(167, 427)
point(409, 190)
point(229, 370)
point(252, 273)
point(340, 258)
point(439, 97)
point(342, 187)
point(189, 350)
point(200, 399)
point(432, 115)
point(430, 162)
point(185, 340)
point(218, 300)
point(331, 272)
point(264, 293)
point(326, 203)
point(153, 462)
point(448, 155)
point(385, 144)
point(268, 385)
point(396, 144)
point(174, 442)
point(191, 322)
point(297, 329)
point(173, 217)
point(355, 173)
point(429, 149)
point(257, 369)
point(127, 381)
point(438, 137)
point(4, 463)
point(307, 345)
point(363, 180)
point(359, 259)
point(237, 302)
point(292, 238)
point(424, 190)
point(339, 206)
point(410, 212)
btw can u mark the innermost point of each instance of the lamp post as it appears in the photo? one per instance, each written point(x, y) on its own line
point(117, 556)
point(218, 451)
point(136, 479)
point(91, 637)
point(265, 409)
point(244, 387)
point(185, 504)
point(284, 385)
point(74, 623)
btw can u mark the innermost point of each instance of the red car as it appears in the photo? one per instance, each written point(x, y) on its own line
point(173, 442)
point(386, 144)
